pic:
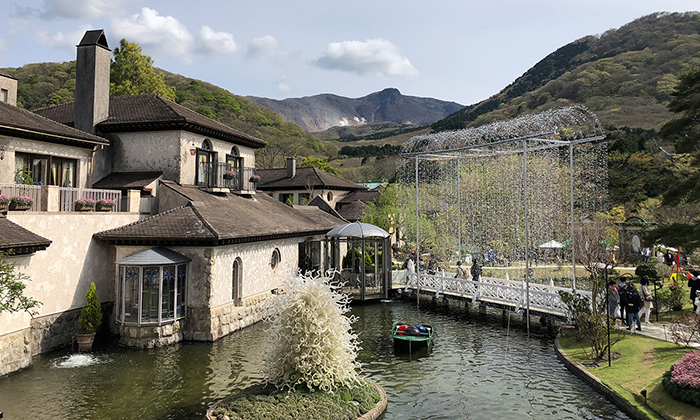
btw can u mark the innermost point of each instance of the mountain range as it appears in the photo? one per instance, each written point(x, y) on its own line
point(321, 112)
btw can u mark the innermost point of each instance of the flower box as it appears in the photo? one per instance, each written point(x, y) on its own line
point(21, 203)
point(84, 204)
point(104, 205)
point(255, 179)
point(230, 174)
point(4, 203)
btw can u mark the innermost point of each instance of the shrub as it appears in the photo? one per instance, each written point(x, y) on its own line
point(91, 314)
point(312, 340)
point(671, 298)
point(682, 381)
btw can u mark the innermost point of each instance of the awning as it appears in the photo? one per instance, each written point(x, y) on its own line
point(155, 256)
point(552, 244)
point(357, 230)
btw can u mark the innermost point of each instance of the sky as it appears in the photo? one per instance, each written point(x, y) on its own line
point(462, 51)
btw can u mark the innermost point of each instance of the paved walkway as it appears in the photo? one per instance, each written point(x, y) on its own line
point(659, 331)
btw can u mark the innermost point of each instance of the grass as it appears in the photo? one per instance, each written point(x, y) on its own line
point(642, 363)
point(266, 402)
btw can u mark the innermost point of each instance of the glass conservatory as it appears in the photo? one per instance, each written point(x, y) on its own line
point(151, 288)
point(361, 253)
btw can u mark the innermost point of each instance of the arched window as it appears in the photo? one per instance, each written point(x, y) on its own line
point(234, 151)
point(329, 196)
point(152, 287)
point(237, 282)
point(275, 259)
point(205, 165)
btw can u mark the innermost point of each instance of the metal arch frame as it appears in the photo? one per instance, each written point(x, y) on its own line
point(476, 152)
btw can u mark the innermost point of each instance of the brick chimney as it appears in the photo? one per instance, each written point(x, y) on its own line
point(291, 167)
point(92, 81)
point(8, 89)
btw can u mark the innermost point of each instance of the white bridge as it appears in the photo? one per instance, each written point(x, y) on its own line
point(490, 291)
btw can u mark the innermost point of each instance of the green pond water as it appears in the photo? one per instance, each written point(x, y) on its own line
point(477, 369)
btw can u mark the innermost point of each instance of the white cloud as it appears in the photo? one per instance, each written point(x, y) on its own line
point(210, 42)
point(154, 32)
point(80, 9)
point(282, 84)
point(63, 41)
point(371, 57)
point(265, 46)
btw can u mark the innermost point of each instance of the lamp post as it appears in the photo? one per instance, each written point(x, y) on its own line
point(607, 304)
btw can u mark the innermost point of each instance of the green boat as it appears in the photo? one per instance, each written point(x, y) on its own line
point(410, 339)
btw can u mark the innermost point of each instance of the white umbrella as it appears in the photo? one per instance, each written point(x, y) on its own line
point(552, 244)
point(357, 230)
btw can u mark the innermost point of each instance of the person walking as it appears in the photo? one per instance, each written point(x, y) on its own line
point(461, 272)
point(476, 271)
point(432, 265)
point(621, 289)
point(634, 302)
point(694, 284)
point(613, 301)
point(648, 301)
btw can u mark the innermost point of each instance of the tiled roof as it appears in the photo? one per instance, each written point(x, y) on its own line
point(306, 177)
point(322, 204)
point(210, 219)
point(127, 180)
point(2, 73)
point(17, 122)
point(364, 196)
point(353, 211)
point(19, 239)
point(150, 113)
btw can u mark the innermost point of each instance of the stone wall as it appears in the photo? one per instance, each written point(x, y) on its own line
point(204, 324)
point(148, 337)
point(15, 353)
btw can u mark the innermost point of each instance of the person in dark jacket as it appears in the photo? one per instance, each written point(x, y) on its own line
point(621, 288)
point(694, 284)
point(634, 302)
point(476, 271)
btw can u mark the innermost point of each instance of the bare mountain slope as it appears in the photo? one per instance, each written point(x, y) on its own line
point(321, 112)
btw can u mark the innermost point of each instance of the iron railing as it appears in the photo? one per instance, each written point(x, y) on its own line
point(234, 179)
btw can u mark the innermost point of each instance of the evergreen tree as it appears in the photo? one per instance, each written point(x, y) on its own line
point(685, 185)
point(132, 73)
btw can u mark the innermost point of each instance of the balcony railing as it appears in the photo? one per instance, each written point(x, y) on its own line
point(33, 191)
point(68, 197)
point(239, 181)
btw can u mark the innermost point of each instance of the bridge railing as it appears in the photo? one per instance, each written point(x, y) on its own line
point(508, 292)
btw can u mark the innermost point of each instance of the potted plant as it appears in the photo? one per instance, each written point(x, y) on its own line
point(254, 179)
point(230, 174)
point(90, 320)
point(105, 204)
point(4, 202)
point(84, 204)
point(21, 203)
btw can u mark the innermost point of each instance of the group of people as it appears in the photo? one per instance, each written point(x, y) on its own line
point(474, 272)
point(625, 302)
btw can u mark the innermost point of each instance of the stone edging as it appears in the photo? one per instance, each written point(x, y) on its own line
point(373, 414)
point(579, 370)
point(378, 410)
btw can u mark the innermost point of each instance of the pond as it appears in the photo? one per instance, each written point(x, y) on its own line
point(478, 369)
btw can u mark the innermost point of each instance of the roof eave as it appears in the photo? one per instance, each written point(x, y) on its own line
point(53, 138)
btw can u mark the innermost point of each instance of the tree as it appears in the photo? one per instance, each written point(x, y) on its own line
point(12, 285)
point(132, 73)
point(685, 186)
point(384, 213)
point(319, 163)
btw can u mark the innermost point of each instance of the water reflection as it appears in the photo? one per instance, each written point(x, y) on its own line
point(476, 369)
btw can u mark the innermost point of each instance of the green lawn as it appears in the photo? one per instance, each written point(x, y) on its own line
point(642, 363)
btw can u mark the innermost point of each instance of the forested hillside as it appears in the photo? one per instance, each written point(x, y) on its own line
point(625, 76)
point(46, 84)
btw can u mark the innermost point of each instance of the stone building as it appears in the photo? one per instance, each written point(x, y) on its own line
point(189, 250)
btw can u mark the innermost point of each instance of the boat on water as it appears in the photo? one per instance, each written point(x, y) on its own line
point(411, 337)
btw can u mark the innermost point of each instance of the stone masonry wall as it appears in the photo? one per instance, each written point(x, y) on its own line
point(205, 324)
point(14, 351)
